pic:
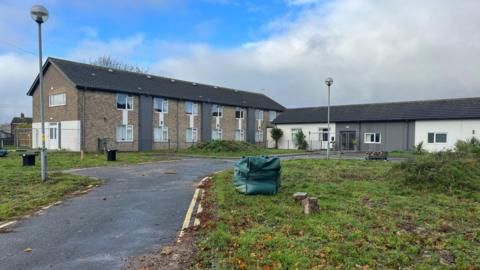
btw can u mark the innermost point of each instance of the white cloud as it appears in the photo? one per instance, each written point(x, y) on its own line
point(18, 72)
point(375, 51)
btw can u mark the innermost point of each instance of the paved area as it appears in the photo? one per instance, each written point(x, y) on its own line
point(139, 208)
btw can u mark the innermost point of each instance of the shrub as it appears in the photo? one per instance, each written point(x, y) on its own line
point(217, 146)
point(418, 149)
point(276, 134)
point(300, 141)
point(445, 171)
point(470, 146)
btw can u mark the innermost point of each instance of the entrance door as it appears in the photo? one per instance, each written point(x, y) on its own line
point(348, 140)
point(53, 136)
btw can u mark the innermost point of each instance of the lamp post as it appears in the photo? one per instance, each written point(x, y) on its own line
point(328, 82)
point(40, 15)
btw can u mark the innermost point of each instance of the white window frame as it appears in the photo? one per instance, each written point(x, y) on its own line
point(163, 132)
point(241, 132)
point(219, 132)
point(270, 113)
point(435, 137)
point(219, 110)
point(194, 135)
point(259, 136)
point(369, 134)
point(51, 100)
point(194, 108)
point(125, 139)
point(294, 131)
point(163, 104)
point(242, 112)
point(322, 132)
point(128, 100)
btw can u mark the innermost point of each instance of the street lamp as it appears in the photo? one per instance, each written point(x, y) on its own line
point(328, 82)
point(40, 15)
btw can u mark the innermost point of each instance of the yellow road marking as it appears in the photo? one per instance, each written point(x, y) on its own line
point(188, 217)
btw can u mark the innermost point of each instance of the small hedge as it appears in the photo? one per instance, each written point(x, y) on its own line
point(224, 146)
point(445, 171)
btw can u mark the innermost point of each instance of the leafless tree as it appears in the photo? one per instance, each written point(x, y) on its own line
point(109, 62)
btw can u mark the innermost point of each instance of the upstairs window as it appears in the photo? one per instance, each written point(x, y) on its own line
point(57, 100)
point(272, 115)
point(191, 108)
point(259, 114)
point(372, 138)
point(440, 137)
point(161, 105)
point(124, 102)
point(239, 112)
point(217, 110)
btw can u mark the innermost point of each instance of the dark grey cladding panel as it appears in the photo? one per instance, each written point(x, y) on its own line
point(251, 125)
point(145, 123)
point(206, 120)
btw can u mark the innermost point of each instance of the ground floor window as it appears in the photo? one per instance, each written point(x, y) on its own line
point(439, 137)
point(239, 135)
point(373, 138)
point(160, 134)
point(259, 136)
point(217, 134)
point(124, 133)
point(191, 135)
point(323, 134)
point(294, 133)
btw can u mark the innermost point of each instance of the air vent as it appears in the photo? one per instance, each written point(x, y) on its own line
point(194, 83)
point(149, 77)
point(139, 88)
point(172, 80)
point(110, 70)
point(93, 74)
point(215, 87)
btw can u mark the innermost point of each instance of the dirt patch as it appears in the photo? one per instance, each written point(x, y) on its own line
point(180, 254)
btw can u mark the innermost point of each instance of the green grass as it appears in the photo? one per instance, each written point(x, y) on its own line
point(367, 220)
point(22, 191)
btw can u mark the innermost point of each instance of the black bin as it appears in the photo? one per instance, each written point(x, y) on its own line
point(28, 159)
point(111, 155)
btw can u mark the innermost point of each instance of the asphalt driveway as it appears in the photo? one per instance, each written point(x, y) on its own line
point(138, 209)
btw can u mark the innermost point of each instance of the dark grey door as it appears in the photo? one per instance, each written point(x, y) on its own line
point(348, 140)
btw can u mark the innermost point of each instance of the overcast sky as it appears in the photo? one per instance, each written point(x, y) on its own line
point(376, 51)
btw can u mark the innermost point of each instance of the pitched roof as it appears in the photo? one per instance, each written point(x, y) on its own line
point(113, 80)
point(461, 108)
point(21, 120)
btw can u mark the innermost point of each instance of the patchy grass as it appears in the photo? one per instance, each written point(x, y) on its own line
point(22, 191)
point(368, 220)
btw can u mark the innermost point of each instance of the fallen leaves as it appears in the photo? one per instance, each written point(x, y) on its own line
point(28, 250)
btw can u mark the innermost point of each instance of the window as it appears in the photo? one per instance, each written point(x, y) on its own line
point(191, 108)
point(294, 132)
point(160, 105)
point(239, 113)
point(259, 114)
point(239, 135)
point(191, 135)
point(160, 134)
point(53, 131)
point(217, 110)
point(57, 100)
point(323, 134)
point(437, 137)
point(124, 102)
point(217, 134)
point(259, 136)
point(272, 115)
point(372, 138)
point(124, 133)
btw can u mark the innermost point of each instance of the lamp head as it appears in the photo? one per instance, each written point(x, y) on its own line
point(39, 13)
point(328, 81)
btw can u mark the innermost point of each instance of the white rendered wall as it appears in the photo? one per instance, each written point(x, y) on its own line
point(69, 135)
point(311, 132)
point(455, 129)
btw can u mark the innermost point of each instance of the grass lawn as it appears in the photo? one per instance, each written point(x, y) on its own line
point(368, 220)
point(22, 191)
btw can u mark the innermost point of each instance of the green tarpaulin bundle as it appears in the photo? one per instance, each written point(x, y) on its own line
point(257, 175)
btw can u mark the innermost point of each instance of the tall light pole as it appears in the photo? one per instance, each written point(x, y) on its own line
point(40, 15)
point(328, 82)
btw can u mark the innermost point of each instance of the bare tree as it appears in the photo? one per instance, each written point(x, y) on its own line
point(109, 62)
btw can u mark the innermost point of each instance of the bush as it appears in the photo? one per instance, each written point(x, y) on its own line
point(445, 171)
point(471, 146)
point(276, 134)
point(300, 141)
point(224, 146)
point(418, 149)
